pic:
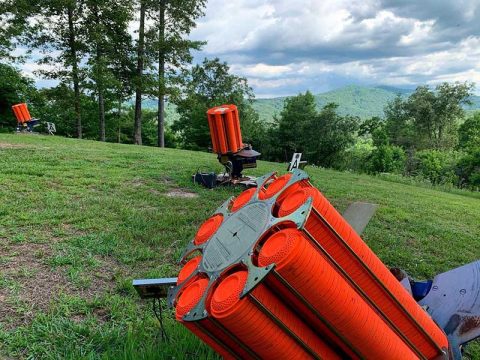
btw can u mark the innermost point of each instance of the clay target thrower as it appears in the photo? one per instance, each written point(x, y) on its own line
point(24, 119)
point(277, 273)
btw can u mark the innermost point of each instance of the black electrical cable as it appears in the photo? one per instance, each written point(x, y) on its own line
point(158, 311)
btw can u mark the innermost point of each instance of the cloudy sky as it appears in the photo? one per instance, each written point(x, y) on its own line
point(284, 46)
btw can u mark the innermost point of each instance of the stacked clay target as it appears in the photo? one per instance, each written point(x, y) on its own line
point(224, 125)
point(21, 113)
point(277, 273)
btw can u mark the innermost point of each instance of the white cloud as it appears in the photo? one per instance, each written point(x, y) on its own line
point(285, 46)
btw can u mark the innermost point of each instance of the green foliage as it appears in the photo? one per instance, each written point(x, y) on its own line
point(104, 216)
point(294, 122)
point(149, 129)
point(14, 88)
point(16, 25)
point(436, 166)
point(387, 159)
point(398, 124)
point(469, 133)
point(323, 136)
point(57, 107)
point(329, 135)
point(207, 85)
point(357, 157)
point(428, 119)
point(469, 169)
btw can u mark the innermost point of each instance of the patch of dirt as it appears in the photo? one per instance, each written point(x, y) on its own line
point(33, 285)
point(12, 146)
point(180, 193)
point(102, 314)
point(137, 182)
point(167, 180)
point(72, 230)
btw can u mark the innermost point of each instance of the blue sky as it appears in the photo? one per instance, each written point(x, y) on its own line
point(284, 47)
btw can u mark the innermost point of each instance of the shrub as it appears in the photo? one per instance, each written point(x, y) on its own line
point(356, 157)
point(387, 159)
point(438, 167)
point(468, 169)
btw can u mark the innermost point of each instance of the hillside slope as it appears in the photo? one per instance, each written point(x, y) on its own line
point(360, 101)
point(355, 100)
point(80, 219)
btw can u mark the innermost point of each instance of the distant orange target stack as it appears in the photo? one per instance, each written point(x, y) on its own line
point(278, 273)
point(21, 113)
point(224, 124)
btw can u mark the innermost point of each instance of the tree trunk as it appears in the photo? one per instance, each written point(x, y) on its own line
point(139, 80)
point(101, 114)
point(99, 81)
point(75, 76)
point(119, 115)
point(161, 79)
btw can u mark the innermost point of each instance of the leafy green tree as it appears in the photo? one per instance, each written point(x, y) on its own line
point(168, 47)
point(16, 25)
point(436, 166)
point(469, 133)
point(323, 136)
point(295, 119)
point(106, 27)
point(468, 169)
point(14, 88)
point(428, 118)
point(368, 126)
point(386, 158)
point(62, 39)
point(57, 107)
point(328, 135)
point(398, 124)
point(207, 85)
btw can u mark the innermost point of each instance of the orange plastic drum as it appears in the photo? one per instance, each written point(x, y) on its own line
point(188, 269)
point(360, 263)
point(245, 319)
point(242, 199)
point(278, 185)
point(186, 302)
point(207, 229)
point(18, 113)
point(224, 125)
point(310, 274)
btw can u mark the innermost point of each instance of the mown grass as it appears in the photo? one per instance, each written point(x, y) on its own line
point(80, 219)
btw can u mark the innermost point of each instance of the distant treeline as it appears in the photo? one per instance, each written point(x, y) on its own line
point(100, 68)
point(87, 46)
point(425, 135)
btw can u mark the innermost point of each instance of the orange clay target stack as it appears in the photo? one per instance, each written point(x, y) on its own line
point(278, 273)
point(25, 122)
point(232, 153)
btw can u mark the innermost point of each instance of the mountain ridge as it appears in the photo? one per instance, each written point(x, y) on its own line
point(361, 101)
point(356, 100)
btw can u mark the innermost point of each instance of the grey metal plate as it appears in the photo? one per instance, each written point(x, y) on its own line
point(153, 288)
point(237, 236)
point(359, 214)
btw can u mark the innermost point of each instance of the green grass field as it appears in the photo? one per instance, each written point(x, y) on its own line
point(80, 219)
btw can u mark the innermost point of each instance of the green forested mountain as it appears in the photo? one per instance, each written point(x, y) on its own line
point(352, 100)
point(356, 100)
